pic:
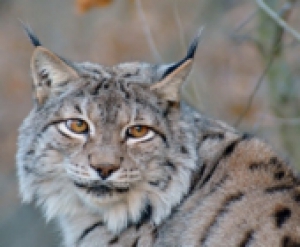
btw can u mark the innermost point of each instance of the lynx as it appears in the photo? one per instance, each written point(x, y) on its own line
point(117, 158)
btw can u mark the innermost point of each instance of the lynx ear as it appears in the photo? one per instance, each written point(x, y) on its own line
point(49, 72)
point(169, 87)
point(173, 75)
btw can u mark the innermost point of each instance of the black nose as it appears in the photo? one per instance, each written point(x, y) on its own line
point(105, 170)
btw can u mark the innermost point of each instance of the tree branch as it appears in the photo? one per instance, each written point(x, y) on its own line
point(147, 32)
point(276, 17)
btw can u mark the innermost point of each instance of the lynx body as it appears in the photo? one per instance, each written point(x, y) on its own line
point(118, 159)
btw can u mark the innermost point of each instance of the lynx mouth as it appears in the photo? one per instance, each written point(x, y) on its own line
point(100, 189)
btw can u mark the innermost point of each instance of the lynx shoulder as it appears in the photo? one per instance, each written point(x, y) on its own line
point(118, 159)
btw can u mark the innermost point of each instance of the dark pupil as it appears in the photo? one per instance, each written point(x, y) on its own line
point(79, 123)
point(138, 128)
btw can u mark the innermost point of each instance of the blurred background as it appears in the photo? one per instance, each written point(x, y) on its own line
point(246, 71)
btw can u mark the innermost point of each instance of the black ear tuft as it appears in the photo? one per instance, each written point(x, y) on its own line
point(189, 55)
point(34, 40)
point(194, 44)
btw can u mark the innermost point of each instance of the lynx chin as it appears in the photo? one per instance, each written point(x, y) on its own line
point(117, 158)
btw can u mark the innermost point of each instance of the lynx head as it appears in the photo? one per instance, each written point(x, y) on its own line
point(106, 140)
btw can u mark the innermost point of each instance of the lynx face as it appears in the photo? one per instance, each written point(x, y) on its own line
point(106, 140)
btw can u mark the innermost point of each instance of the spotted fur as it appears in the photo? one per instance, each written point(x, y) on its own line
point(193, 182)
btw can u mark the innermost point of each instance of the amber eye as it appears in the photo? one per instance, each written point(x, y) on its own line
point(137, 131)
point(77, 126)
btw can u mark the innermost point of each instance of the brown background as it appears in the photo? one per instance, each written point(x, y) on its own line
point(224, 74)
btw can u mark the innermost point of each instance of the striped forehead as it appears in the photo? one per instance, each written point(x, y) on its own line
point(114, 107)
point(117, 101)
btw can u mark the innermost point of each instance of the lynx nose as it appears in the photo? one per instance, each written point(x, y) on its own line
point(105, 170)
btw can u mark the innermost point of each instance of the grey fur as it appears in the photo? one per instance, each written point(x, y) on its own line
point(55, 170)
point(177, 187)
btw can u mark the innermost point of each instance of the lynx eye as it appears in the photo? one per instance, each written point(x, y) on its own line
point(138, 133)
point(78, 126)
